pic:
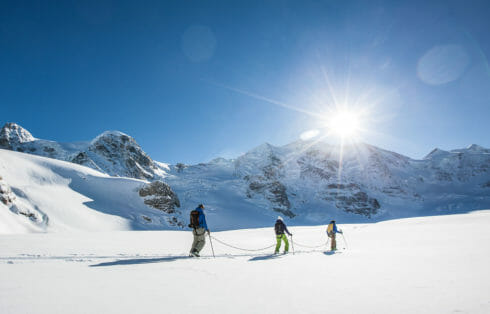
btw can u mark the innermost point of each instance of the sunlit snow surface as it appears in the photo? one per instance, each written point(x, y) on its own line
point(72, 197)
point(418, 265)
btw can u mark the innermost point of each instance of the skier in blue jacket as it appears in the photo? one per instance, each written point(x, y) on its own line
point(200, 228)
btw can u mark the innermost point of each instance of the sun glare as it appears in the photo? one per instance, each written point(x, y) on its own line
point(345, 124)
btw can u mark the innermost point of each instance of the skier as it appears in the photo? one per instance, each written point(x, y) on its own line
point(198, 223)
point(331, 231)
point(279, 228)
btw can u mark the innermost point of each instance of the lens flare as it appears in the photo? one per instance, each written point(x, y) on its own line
point(308, 135)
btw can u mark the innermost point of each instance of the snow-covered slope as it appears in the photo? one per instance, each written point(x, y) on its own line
point(313, 182)
point(43, 194)
point(418, 265)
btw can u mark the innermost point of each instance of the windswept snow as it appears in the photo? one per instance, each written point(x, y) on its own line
point(419, 265)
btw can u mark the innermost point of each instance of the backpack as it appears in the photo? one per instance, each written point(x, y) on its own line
point(330, 230)
point(194, 219)
point(278, 228)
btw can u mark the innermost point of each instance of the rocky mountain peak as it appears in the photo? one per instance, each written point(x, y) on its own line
point(476, 148)
point(113, 136)
point(12, 134)
point(118, 154)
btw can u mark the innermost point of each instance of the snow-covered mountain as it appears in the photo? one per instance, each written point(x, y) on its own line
point(112, 152)
point(307, 182)
point(313, 182)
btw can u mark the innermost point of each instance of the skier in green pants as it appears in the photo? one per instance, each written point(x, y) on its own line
point(280, 228)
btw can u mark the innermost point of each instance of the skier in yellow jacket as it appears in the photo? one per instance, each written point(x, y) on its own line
point(331, 231)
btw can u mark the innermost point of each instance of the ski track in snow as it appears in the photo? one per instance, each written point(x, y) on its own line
point(418, 265)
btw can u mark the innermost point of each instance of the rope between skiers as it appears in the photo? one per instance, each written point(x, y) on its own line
point(242, 249)
point(200, 228)
point(268, 247)
point(309, 246)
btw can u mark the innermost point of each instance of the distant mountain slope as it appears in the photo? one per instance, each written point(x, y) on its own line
point(310, 183)
point(43, 194)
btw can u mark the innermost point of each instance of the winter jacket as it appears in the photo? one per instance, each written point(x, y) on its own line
point(332, 229)
point(280, 227)
point(202, 219)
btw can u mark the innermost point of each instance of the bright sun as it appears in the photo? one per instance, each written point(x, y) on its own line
point(345, 124)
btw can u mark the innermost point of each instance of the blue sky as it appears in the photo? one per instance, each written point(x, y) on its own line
point(195, 80)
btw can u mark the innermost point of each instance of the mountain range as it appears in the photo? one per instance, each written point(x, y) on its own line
point(306, 182)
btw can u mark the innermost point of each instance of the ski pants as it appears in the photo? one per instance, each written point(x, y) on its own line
point(333, 244)
point(199, 239)
point(282, 237)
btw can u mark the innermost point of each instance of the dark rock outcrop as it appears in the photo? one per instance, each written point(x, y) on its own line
point(352, 199)
point(274, 192)
point(7, 197)
point(160, 196)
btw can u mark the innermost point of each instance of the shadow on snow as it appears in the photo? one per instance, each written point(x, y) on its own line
point(137, 261)
point(265, 257)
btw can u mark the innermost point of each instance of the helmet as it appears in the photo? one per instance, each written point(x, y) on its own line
point(279, 218)
point(201, 206)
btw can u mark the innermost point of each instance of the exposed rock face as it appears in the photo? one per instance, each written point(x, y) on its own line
point(266, 182)
point(9, 199)
point(351, 199)
point(6, 195)
point(316, 167)
point(274, 192)
point(159, 195)
point(12, 135)
point(180, 167)
point(82, 158)
point(362, 179)
point(118, 155)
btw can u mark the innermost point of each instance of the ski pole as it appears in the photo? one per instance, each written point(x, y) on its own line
point(292, 243)
point(211, 242)
point(345, 241)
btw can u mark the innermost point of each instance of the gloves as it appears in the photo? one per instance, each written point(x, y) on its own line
point(341, 232)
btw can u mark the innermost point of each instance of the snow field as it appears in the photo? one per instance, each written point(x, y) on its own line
point(418, 265)
point(73, 197)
